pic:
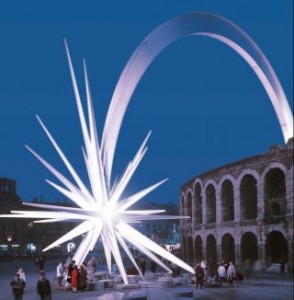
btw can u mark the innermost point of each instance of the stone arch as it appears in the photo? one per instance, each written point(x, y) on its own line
point(276, 248)
point(228, 248)
point(210, 198)
point(198, 246)
point(273, 165)
point(188, 206)
point(249, 247)
point(275, 203)
point(182, 203)
point(189, 249)
point(211, 254)
point(198, 195)
point(184, 249)
point(227, 200)
point(248, 197)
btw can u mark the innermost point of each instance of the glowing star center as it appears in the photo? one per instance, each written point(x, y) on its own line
point(108, 215)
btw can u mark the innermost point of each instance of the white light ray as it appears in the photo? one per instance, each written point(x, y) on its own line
point(64, 158)
point(132, 234)
point(126, 203)
point(77, 231)
point(101, 211)
point(128, 252)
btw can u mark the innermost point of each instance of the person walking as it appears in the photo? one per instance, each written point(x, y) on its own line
point(143, 266)
point(231, 273)
point(17, 286)
point(44, 287)
point(83, 278)
point(153, 267)
point(22, 276)
point(75, 279)
point(203, 265)
point(199, 274)
point(60, 273)
point(221, 270)
point(69, 272)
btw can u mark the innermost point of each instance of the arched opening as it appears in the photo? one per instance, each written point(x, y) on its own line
point(276, 248)
point(184, 249)
point(275, 193)
point(182, 205)
point(227, 201)
point(198, 204)
point(248, 197)
point(189, 250)
point(211, 248)
point(228, 248)
point(198, 255)
point(210, 204)
point(249, 247)
point(182, 210)
point(189, 208)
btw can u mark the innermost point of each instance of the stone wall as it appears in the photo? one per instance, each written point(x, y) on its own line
point(242, 211)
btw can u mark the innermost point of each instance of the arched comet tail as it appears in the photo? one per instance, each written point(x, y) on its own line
point(101, 210)
point(190, 24)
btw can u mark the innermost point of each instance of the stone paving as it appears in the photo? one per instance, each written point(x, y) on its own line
point(267, 286)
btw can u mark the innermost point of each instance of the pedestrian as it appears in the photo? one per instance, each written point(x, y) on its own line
point(41, 262)
point(37, 263)
point(92, 267)
point(231, 273)
point(17, 287)
point(22, 276)
point(143, 266)
point(69, 271)
point(199, 274)
point(153, 267)
point(60, 273)
point(75, 279)
point(203, 265)
point(221, 273)
point(83, 278)
point(43, 287)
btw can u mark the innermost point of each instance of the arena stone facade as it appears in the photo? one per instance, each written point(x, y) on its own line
point(241, 212)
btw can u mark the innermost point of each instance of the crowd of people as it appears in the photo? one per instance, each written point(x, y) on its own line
point(68, 276)
point(75, 277)
point(18, 284)
point(220, 272)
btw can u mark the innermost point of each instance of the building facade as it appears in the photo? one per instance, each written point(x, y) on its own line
point(241, 212)
point(22, 237)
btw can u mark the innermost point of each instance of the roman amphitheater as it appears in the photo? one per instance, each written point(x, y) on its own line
point(242, 211)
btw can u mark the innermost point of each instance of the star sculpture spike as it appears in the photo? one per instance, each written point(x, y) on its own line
point(101, 210)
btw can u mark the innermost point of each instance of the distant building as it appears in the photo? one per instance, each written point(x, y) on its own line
point(22, 237)
point(161, 231)
point(241, 211)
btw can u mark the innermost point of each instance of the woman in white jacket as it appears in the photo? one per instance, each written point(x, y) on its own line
point(221, 271)
point(231, 273)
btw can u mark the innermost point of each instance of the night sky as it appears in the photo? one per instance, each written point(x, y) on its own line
point(205, 106)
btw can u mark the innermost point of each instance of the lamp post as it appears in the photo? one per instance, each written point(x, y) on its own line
point(9, 239)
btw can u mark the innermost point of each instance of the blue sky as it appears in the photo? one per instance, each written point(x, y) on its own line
point(204, 105)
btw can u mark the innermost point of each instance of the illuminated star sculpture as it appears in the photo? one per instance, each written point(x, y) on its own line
point(102, 211)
